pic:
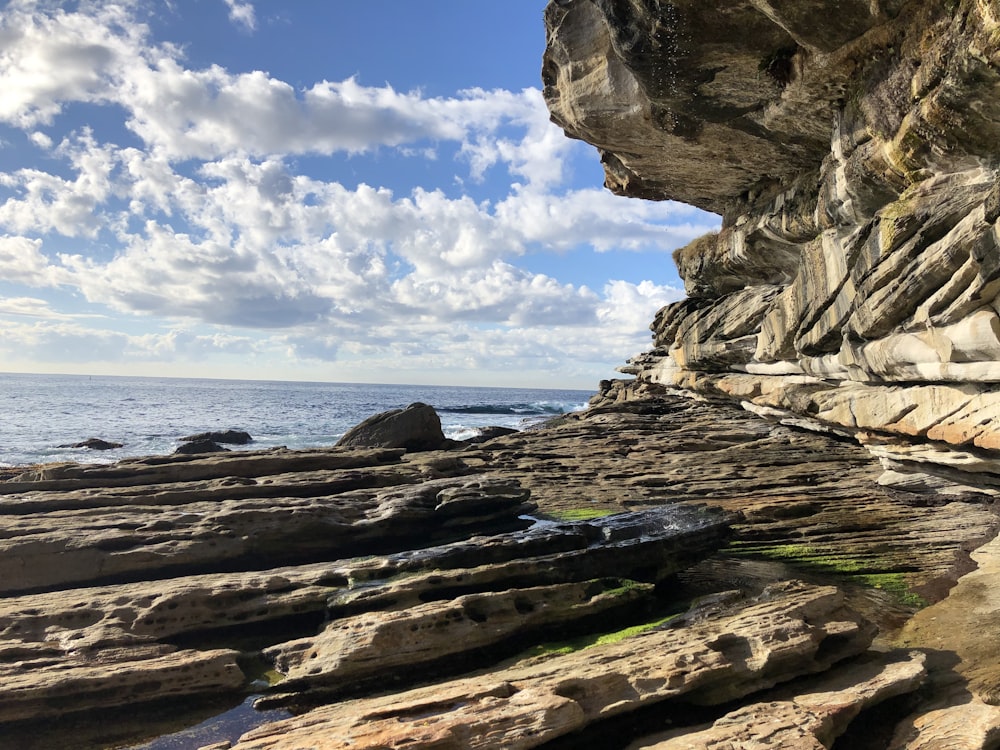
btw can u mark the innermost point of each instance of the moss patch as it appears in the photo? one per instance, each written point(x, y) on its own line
point(895, 584)
point(863, 571)
point(580, 514)
point(257, 670)
point(557, 648)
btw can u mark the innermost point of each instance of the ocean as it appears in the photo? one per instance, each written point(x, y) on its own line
point(149, 415)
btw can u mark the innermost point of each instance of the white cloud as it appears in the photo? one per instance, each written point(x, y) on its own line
point(263, 247)
point(57, 340)
point(22, 261)
point(47, 342)
point(601, 219)
point(41, 140)
point(106, 56)
point(31, 307)
point(206, 220)
point(242, 13)
point(51, 203)
point(48, 59)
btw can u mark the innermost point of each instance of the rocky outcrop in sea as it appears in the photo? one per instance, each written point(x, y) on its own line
point(780, 533)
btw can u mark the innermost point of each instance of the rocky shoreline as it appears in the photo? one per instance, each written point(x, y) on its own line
point(782, 533)
point(659, 571)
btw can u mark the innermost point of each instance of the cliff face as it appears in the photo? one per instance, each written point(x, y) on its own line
point(852, 148)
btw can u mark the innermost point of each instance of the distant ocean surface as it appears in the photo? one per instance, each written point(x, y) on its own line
point(149, 415)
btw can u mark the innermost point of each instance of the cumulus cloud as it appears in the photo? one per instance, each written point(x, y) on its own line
point(44, 202)
point(242, 14)
point(204, 218)
point(106, 56)
point(22, 261)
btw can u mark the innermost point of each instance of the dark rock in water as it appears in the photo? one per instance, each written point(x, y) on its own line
point(94, 444)
point(200, 446)
point(230, 437)
point(488, 433)
point(416, 428)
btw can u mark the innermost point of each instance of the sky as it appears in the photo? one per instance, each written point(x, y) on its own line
point(315, 190)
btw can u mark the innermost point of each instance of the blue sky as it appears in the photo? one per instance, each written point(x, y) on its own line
point(334, 191)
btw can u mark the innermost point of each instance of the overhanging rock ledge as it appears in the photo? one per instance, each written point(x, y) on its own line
point(852, 148)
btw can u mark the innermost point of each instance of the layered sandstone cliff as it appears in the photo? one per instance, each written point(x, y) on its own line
point(852, 148)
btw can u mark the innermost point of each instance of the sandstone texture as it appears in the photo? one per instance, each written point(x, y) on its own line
point(526, 706)
point(654, 563)
point(852, 151)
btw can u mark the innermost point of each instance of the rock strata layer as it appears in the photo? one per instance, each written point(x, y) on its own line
point(853, 290)
point(851, 149)
point(150, 590)
point(526, 706)
point(465, 610)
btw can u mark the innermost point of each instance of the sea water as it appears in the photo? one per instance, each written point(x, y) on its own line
point(39, 413)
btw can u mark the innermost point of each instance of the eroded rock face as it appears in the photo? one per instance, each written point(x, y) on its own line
point(853, 290)
point(708, 661)
point(486, 628)
point(852, 150)
point(417, 568)
point(813, 719)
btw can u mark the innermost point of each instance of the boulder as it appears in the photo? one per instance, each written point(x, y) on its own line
point(415, 428)
point(94, 444)
point(230, 437)
point(199, 446)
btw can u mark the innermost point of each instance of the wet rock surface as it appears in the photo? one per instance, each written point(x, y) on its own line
point(521, 592)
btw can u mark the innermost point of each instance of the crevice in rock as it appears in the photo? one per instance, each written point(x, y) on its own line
point(873, 728)
point(620, 732)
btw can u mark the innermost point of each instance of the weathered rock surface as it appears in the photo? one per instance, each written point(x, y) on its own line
point(382, 645)
point(47, 549)
point(190, 571)
point(156, 469)
point(815, 718)
point(852, 151)
point(962, 625)
point(710, 660)
point(448, 607)
point(850, 298)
